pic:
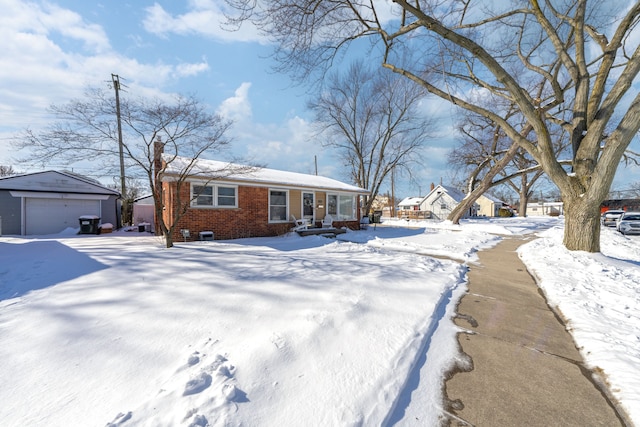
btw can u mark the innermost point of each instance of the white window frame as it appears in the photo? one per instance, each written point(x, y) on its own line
point(235, 196)
point(340, 216)
point(214, 194)
point(286, 219)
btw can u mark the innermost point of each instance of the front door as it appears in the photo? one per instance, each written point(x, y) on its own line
point(308, 203)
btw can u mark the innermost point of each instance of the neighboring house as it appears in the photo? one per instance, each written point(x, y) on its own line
point(489, 206)
point(409, 204)
point(441, 201)
point(256, 204)
point(50, 202)
point(380, 202)
point(409, 208)
point(545, 208)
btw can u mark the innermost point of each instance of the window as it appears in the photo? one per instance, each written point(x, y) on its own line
point(226, 196)
point(347, 207)
point(203, 195)
point(443, 206)
point(213, 196)
point(278, 205)
point(341, 206)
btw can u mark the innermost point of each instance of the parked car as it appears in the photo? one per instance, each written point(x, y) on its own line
point(629, 223)
point(610, 217)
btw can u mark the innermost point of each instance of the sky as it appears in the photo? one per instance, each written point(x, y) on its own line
point(118, 330)
point(53, 50)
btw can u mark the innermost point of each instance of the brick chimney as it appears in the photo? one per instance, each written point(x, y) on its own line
point(158, 149)
point(432, 186)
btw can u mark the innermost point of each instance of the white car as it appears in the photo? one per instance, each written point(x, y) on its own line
point(610, 217)
point(629, 223)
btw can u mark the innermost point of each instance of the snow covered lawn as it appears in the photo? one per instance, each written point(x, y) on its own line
point(288, 331)
point(599, 296)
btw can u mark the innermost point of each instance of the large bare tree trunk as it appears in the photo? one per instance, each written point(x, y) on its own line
point(524, 201)
point(582, 224)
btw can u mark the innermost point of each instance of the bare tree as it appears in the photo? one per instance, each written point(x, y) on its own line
point(86, 130)
point(581, 50)
point(7, 171)
point(484, 149)
point(372, 120)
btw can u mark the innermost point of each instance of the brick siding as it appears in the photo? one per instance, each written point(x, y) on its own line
point(249, 219)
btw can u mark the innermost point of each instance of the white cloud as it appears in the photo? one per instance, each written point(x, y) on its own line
point(71, 25)
point(238, 107)
point(42, 21)
point(36, 70)
point(185, 70)
point(51, 54)
point(203, 17)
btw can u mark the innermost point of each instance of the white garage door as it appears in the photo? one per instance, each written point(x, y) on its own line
point(50, 216)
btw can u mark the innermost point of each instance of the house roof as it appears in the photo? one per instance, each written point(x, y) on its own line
point(411, 201)
point(454, 193)
point(54, 182)
point(260, 176)
point(491, 198)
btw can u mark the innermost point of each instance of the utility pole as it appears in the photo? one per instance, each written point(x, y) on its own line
point(123, 185)
point(393, 194)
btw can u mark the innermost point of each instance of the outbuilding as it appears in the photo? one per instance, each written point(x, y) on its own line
point(51, 201)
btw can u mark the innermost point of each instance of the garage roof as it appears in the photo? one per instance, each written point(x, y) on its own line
point(54, 181)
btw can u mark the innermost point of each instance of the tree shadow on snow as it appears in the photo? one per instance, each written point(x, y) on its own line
point(37, 265)
point(293, 242)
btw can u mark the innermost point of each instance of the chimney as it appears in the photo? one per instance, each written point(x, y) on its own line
point(158, 149)
point(432, 186)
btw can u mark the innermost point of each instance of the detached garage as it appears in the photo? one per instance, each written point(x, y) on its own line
point(50, 202)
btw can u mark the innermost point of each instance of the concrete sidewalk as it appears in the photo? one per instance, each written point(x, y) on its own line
point(524, 367)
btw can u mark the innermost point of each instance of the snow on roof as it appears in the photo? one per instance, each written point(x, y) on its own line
point(213, 168)
point(454, 193)
point(411, 201)
point(54, 181)
point(493, 199)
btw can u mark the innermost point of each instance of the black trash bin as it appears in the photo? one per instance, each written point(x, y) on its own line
point(376, 217)
point(89, 224)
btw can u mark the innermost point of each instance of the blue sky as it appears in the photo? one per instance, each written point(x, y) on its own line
point(52, 50)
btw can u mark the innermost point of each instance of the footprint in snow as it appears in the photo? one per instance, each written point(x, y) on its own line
point(199, 421)
point(234, 394)
point(197, 384)
point(194, 359)
point(119, 419)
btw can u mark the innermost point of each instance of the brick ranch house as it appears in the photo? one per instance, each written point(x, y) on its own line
point(258, 203)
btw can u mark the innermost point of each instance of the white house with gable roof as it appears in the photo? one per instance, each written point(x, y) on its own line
point(442, 200)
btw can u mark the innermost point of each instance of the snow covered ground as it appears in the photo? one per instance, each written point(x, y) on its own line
point(117, 330)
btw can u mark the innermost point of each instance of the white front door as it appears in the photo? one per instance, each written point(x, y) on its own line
point(308, 203)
